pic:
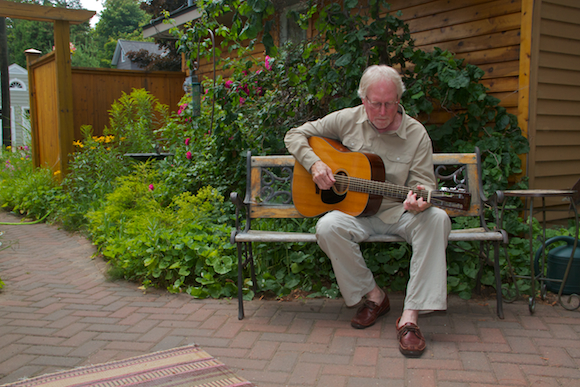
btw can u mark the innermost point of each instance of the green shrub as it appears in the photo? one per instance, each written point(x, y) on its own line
point(24, 189)
point(94, 166)
point(134, 119)
point(182, 246)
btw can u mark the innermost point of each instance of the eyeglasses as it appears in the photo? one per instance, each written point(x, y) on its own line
point(378, 105)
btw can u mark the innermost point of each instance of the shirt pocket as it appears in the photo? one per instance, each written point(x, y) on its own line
point(397, 166)
point(354, 143)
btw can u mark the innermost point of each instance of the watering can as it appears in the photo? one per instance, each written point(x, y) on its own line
point(558, 258)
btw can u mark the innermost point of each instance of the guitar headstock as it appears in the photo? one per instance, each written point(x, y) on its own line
point(455, 198)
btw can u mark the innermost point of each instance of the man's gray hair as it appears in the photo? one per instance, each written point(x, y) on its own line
point(380, 72)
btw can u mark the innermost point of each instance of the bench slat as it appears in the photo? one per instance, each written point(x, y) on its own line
point(475, 234)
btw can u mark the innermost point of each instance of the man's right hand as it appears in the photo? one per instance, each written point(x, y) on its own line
point(322, 175)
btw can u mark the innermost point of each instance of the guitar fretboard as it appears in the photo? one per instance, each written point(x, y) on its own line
point(347, 183)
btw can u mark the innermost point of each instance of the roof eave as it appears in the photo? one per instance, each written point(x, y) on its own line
point(159, 29)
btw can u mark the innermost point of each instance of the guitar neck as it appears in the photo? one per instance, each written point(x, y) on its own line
point(378, 188)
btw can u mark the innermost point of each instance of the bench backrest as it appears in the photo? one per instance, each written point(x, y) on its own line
point(269, 183)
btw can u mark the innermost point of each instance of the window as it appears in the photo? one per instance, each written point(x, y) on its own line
point(17, 84)
point(290, 31)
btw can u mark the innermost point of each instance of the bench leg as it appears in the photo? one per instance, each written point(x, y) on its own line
point(483, 261)
point(252, 268)
point(497, 273)
point(240, 281)
point(245, 257)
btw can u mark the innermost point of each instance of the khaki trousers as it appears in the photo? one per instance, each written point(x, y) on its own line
point(339, 235)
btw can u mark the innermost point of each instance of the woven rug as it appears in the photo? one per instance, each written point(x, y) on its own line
point(180, 367)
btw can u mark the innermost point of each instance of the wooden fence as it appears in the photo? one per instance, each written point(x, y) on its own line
point(95, 90)
point(91, 95)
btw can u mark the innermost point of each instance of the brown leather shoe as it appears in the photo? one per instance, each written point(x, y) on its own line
point(411, 341)
point(368, 313)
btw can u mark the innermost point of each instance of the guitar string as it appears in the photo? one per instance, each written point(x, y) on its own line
point(377, 187)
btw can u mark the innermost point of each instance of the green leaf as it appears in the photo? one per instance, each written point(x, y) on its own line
point(344, 60)
point(459, 82)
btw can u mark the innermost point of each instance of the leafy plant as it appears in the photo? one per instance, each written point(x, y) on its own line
point(261, 100)
point(23, 188)
point(134, 119)
point(182, 245)
point(93, 170)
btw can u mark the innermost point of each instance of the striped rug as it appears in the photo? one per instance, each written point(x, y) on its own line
point(179, 367)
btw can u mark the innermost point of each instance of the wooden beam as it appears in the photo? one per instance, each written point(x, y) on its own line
point(526, 74)
point(64, 93)
point(42, 13)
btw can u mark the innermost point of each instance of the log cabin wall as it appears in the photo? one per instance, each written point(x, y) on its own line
point(483, 32)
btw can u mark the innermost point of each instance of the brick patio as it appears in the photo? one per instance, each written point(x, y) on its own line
point(59, 311)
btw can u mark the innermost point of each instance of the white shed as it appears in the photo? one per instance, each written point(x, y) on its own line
point(19, 105)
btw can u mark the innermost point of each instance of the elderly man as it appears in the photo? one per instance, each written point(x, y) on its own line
point(381, 126)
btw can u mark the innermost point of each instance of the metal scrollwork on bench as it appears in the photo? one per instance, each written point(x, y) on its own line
point(276, 185)
point(458, 177)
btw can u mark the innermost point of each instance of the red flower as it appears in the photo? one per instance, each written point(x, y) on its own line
point(188, 155)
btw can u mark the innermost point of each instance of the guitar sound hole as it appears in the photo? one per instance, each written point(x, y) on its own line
point(341, 185)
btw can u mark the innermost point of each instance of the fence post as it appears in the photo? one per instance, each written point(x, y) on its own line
point(64, 94)
point(32, 56)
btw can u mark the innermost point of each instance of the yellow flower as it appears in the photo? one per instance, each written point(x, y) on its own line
point(8, 147)
point(56, 173)
point(78, 143)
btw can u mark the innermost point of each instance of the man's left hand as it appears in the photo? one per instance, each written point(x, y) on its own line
point(412, 204)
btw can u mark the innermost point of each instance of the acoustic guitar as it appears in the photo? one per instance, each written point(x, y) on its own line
point(360, 184)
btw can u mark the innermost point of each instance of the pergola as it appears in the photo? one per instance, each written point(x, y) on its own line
point(61, 18)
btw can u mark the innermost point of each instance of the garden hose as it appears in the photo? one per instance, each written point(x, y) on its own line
point(22, 222)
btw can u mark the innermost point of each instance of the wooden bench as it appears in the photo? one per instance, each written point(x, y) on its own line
point(268, 195)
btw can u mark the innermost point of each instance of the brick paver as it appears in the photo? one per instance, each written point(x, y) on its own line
point(59, 311)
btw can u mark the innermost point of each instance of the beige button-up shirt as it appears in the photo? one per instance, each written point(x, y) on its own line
point(407, 152)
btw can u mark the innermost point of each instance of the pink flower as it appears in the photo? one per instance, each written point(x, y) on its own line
point(187, 141)
point(181, 109)
point(267, 63)
point(229, 83)
point(151, 187)
point(246, 89)
point(242, 100)
point(188, 155)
